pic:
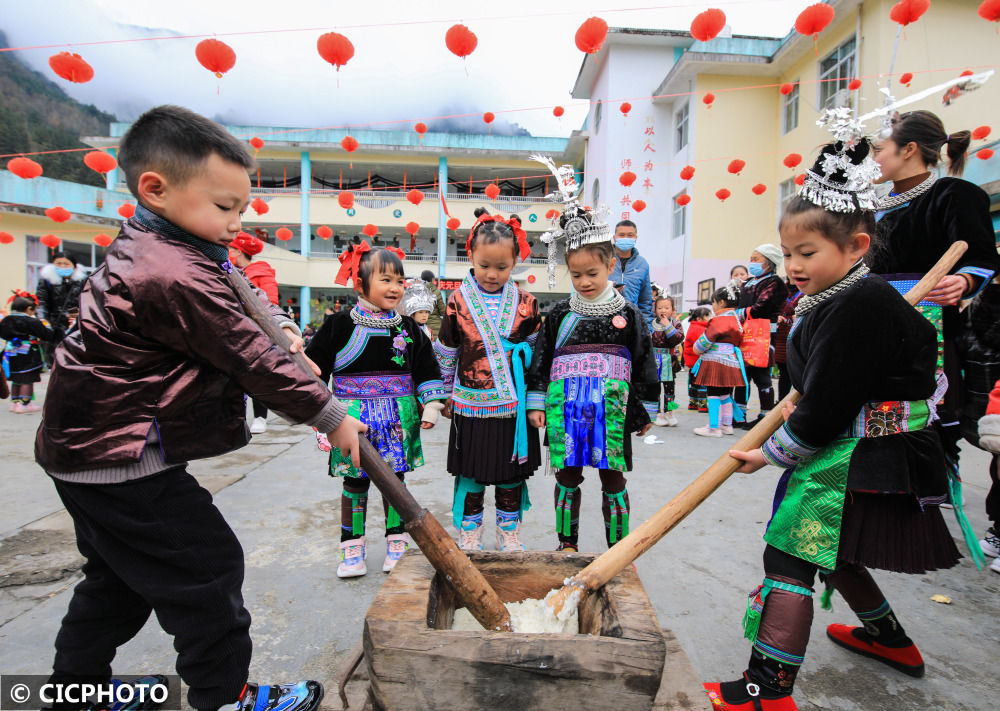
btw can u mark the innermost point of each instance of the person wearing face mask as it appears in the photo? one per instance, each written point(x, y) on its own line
point(762, 296)
point(59, 287)
point(632, 270)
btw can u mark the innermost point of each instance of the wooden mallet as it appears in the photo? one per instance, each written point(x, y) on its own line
point(469, 585)
point(613, 561)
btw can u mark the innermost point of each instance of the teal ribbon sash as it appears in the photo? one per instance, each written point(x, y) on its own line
point(520, 358)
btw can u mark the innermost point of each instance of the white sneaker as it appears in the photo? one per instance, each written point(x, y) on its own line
point(990, 544)
point(995, 566)
point(471, 539)
point(661, 420)
point(707, 431)
point(395, 546)
point(508, 539)
point(258, 426)
point(671, 419)
point(727, 429)
point(352, 558)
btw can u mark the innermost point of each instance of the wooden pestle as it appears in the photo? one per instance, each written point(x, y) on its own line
point(609, 564)
point(469, 585)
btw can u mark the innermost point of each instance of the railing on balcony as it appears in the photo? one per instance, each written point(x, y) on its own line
point(378, 199)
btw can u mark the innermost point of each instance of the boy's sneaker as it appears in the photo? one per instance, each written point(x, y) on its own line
point(395, 546)
point(258, 426)
point(661, 420)
point(707, 431)
point(671, 419)
point(352, 558)
point(508, 538)
point(301, 696)
point(990, 544)
point(995, 566)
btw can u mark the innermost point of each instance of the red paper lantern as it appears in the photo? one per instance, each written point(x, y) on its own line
point(786, 89)
point(627, 178)
point(492, 191)
point(324, 232)
point(552, 214)
point(708, 99)
point(906, 78)
point(370, 230)
point(981, 132)
point(58, 214)
point(412, 228)
point(639, 205)
point(217, 57)
point(257, 144)
point(800, 178)
point(24, 168)
point(792, 160)
point(759, 189)
point(683, 199)
point(349, 144)
point(259, 206)
point(687, 172)
point(854, 85)
point(335, 48)
point(990, 10)
point(126, 210)
point(966, 73)
point(415, 196)
point(736, 166)
point(453, 223)
point(531, 278)
point(420, 128)
point(488, 117)
point(905, 12)
point(50, 241)
point(591, 34)
point(100, 161)
point(984, 153)
point(71, 67)
point(460, 40)
point(283, 233)
point(346, 200)
point(814, 19)
point(102, 240)
point(708, 24)
point(723, 194)
point(6, 238)
point(625, 108)
point(558, 111)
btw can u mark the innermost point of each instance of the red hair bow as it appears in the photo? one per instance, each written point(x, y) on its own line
point(524, 249)
point(24, 294)
point(397, 251)
point(350, 258)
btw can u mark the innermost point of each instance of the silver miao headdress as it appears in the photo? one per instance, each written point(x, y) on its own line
point(842, 179)
point(418, 297)
point(576, 225)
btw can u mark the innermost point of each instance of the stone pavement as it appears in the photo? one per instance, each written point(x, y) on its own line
point(284, 508)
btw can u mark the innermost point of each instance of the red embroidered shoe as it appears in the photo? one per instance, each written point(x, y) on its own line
point(905, 659)
point(752, 701)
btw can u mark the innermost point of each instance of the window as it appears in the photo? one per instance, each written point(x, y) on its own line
point(87, 256)
point(680, 218)
point(835, 72)
point(786, 191)
point(705, 290)
point(681, 128)
point(790, 109)
point(677, 294)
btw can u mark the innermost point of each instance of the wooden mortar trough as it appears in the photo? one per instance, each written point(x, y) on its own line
point(415, 661)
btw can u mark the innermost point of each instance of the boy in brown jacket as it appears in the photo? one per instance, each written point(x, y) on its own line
point(153, 377)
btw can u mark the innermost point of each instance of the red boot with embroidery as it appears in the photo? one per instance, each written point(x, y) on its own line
point(905, 658)
point(745, 695)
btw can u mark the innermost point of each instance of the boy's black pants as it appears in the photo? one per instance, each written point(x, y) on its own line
point(159, 545)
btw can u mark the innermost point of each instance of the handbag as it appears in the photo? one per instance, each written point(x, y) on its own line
point(756, 343)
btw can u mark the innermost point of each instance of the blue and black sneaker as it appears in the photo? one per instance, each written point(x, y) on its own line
point(300, 696)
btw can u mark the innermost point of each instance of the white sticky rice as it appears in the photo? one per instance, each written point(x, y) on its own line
point(530, 616)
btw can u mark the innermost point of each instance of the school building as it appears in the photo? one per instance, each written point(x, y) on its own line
point(706, 104)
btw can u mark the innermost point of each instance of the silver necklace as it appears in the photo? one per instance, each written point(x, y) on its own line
point(586, 308)
point(375, 321)
point(808, 303)
point(890, 201)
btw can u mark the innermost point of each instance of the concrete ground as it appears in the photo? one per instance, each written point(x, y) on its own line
point(284, 508)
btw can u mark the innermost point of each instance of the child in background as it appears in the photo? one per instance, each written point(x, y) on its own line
point(382, 364)
point(592, 383)
point(697, 322)
point(22, 355)
point(720, 367)
point(418, 302)
point(864, 471)
point(667, 334)
point(484, 347)
point(989, 439)
point(785, 320)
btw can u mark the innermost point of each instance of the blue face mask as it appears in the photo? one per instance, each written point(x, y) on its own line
point(64, 271)
point(756, 269)
point(625, 244)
